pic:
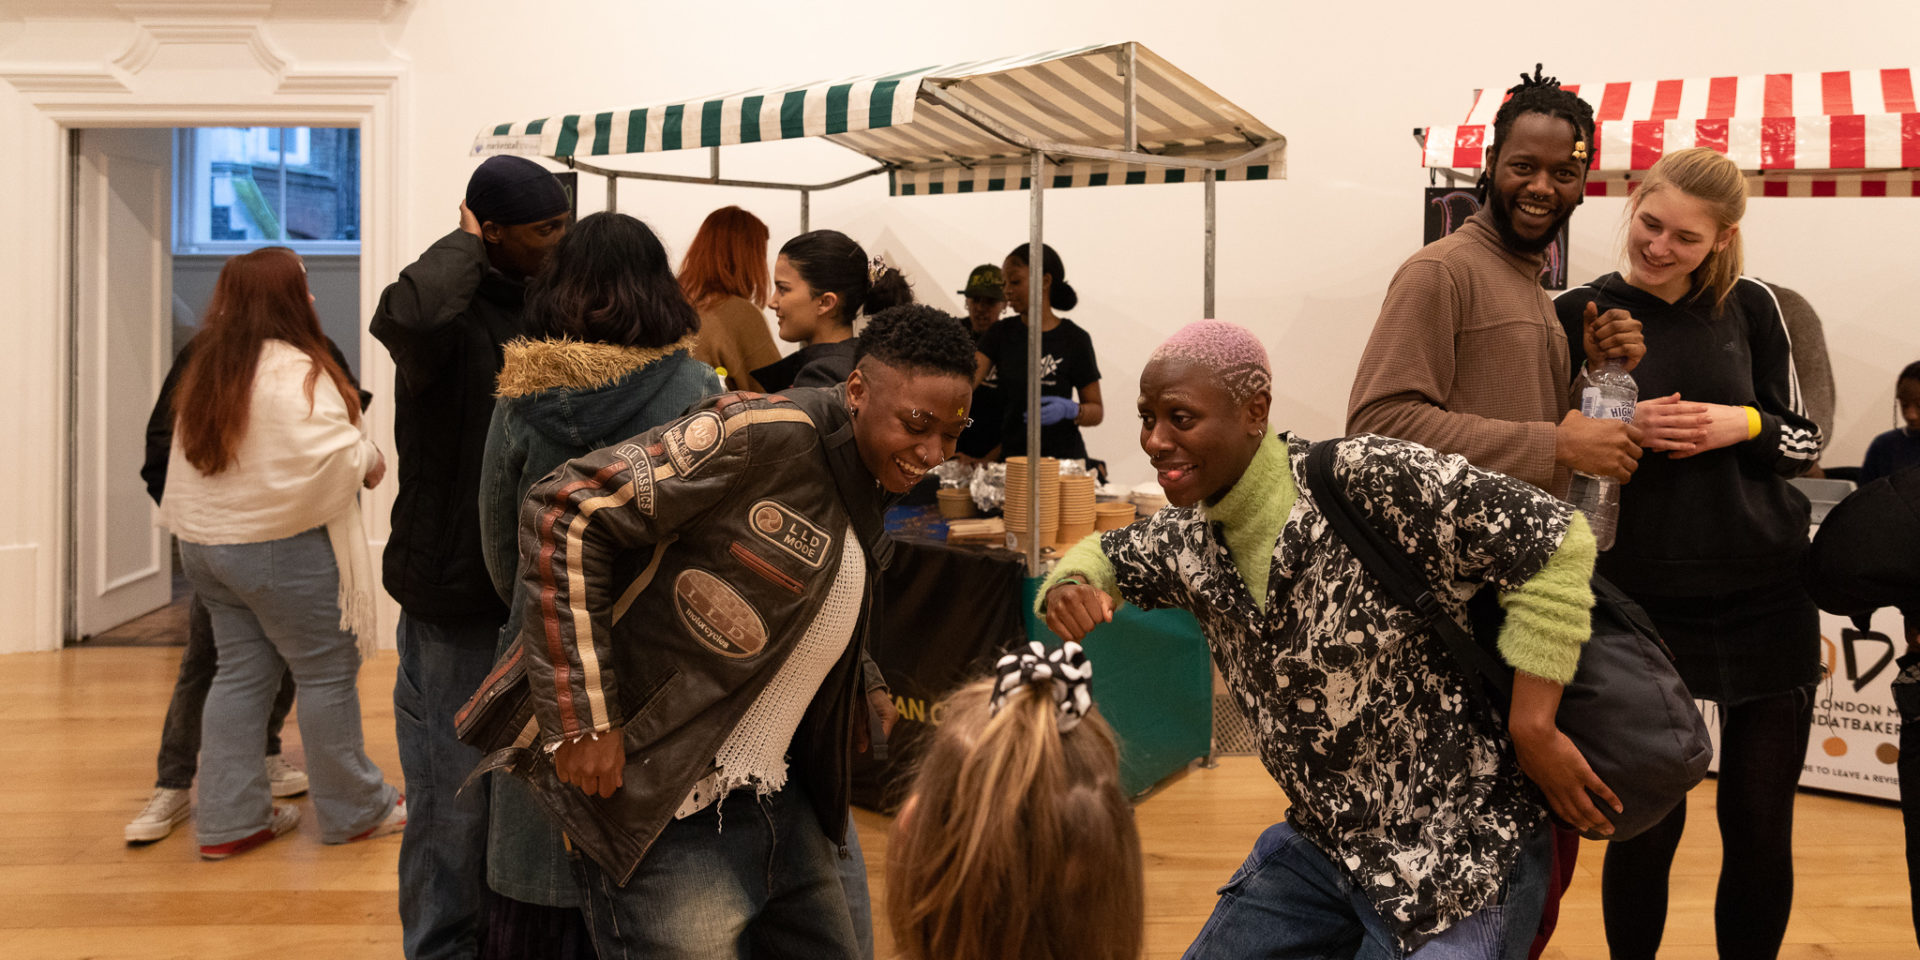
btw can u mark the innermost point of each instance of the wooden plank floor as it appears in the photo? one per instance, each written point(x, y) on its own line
point(85, 723)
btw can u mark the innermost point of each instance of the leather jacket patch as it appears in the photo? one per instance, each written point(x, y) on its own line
point(694, 441)
point(785, 528)
point(717, 615)
point(641, 470)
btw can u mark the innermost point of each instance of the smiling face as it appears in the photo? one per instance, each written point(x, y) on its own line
point(1537, 183)
point(906, 422)
point(1668, 236)
point(800, 313)
point(1199, 440)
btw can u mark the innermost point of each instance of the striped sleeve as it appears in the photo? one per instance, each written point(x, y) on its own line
point(635, 495)
point(1789, 441)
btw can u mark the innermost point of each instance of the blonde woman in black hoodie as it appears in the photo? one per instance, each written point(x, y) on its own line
point(1711, 539)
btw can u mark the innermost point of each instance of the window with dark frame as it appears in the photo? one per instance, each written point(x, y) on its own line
point(238, 188)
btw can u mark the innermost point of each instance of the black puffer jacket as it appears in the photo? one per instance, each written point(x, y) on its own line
point(696, 554)
point(445, 321)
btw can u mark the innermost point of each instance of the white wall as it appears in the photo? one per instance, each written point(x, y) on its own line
point(1305, 261)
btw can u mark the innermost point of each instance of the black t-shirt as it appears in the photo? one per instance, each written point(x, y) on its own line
point(988, 409)
point(1067, 364)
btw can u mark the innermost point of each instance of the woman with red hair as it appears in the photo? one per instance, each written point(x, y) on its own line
point(725, 278)
point(269, 454)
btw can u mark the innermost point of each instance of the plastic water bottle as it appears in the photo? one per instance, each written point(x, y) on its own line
point(1609, 395)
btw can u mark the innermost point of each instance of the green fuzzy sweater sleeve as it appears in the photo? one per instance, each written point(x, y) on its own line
point(1550, 616)
point(1085, 562)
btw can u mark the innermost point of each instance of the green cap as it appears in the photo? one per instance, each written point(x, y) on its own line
point(986, 282)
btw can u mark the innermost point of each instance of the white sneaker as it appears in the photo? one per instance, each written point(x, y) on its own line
point(161, 814)
point(394, 822)
point(284, 778)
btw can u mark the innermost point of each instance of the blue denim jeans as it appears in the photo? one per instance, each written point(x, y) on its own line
point(749, 876)
point(179, 755)
point(444, 849)
point(275, 608)
point(853, 879)
point(1289, 900)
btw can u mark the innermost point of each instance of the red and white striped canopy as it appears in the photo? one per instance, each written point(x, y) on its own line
point(1838, 133)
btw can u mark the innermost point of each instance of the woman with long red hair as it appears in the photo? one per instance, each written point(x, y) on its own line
point(725, 278)
point(269, 455)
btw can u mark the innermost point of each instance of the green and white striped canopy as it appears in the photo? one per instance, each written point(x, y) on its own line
point(904, 120)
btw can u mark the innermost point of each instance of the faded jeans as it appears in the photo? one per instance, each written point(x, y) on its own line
point(1289, 900)
point(179, 755)
point(275, 608)
point(748, 876)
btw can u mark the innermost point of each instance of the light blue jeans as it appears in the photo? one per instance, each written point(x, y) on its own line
point(275, 608)
point(1289, 900)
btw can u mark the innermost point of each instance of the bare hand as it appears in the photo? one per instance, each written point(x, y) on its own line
point(1552, 762)
point(1725, 427)
point(593, 765)
point(1074, 609)
point(378, 471)
point(880, 704)
point(1612, 334)
point(468, 222)
point(1670, 423)
point(1603, 448)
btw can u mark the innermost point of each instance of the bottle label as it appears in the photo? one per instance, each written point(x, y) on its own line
point(1598, 407)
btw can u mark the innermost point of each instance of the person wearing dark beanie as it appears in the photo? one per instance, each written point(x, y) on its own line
point(446, 321)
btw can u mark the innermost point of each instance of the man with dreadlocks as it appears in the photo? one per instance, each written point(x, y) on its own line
point(1465, 357)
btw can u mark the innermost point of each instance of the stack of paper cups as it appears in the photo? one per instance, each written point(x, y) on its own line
point(1048, 470)
point(1076, 508)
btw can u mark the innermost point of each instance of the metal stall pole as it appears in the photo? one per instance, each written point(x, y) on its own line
point(1035, 264)
point(613, 193)
point(806, 209)
point(1207, 301)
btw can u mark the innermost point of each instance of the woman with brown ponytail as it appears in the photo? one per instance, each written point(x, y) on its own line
point(1016, 840)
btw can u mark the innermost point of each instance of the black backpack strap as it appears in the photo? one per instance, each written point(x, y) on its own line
point(1394, 569)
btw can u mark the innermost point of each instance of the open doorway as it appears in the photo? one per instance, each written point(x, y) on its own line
point(156, 214)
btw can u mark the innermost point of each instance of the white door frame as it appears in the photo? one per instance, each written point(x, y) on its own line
point(203, 72)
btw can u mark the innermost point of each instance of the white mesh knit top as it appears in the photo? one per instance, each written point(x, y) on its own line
point(755, 754)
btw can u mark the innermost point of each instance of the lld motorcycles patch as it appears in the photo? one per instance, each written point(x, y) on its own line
point(693, 442)
point(717, 615)
point(641, 469)
point(785, 528)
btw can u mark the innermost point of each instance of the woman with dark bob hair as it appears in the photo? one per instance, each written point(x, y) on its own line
point(614, 360)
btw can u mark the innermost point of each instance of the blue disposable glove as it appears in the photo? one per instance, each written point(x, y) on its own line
point(1055, 409)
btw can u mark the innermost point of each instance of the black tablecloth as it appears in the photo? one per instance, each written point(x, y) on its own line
point(944, 615)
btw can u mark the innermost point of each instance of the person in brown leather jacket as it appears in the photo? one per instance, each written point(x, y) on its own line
point(697, 600)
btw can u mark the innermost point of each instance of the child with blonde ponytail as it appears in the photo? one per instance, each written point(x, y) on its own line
point(1016, 840)
point(1711, 539)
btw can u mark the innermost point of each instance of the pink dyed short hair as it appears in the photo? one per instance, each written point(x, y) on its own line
point(1227, 349)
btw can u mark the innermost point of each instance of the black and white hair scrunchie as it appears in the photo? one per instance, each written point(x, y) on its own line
point(1067, 672)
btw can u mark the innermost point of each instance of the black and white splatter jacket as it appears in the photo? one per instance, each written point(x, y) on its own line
point(1394, 770)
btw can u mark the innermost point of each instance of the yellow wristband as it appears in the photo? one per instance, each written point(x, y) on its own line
point(1753, 422)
